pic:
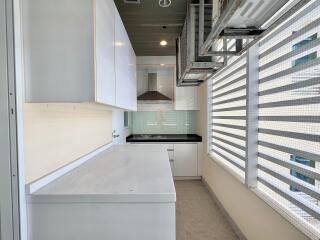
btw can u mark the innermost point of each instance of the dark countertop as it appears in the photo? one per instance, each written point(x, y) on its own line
point(164, 138)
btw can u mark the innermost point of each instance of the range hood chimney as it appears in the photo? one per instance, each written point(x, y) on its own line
point(152, 94)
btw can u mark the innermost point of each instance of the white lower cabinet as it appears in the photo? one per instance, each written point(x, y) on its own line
point(186, 160)
point(172, 166)
point(183, 158)
point(171, 157)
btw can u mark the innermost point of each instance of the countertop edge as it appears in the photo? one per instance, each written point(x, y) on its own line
point(103, 198)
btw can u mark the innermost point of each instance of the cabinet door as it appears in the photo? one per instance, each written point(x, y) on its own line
point(132, 97)
point(105, 52)
point(185, 160)
point(125, 62)
point(186, 98)
point(58, 50)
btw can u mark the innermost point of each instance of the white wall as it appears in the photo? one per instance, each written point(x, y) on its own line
point(256, 219)
point(57, 134)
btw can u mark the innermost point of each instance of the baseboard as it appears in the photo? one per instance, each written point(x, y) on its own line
point(187, 178)
point(41, 182)
point(235, 227)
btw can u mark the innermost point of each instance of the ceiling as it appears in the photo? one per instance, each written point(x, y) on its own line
point(147, 24)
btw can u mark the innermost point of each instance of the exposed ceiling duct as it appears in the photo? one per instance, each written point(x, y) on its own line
point(193, 69)
point(215, 29)
point(241, 20)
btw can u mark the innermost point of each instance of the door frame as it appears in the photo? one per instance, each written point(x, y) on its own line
point(11, 138)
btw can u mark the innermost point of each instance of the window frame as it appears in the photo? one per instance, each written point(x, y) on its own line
point(252, 110)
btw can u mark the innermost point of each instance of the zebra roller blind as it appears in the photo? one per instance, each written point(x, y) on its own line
point(228, 115)
point(287, 162)
point(289, 114)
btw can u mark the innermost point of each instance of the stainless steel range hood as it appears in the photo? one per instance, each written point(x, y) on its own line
point(153, 95)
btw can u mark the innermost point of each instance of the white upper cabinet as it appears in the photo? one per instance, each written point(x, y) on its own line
point(125, 61)
point(58, 50)
point(70, 53)
point(186, 98)
point(132, 96)
point(105, 52)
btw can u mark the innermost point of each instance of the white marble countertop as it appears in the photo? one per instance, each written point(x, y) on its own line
point(123, 173)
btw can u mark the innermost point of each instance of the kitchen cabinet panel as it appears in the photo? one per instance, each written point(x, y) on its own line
point(122, 61)
point(105, 52)
point(125, 61)
point(58, 50)
point(185, 160)
point(171, 154)
point(132, 97)
point(70, 53)
point(172, 167)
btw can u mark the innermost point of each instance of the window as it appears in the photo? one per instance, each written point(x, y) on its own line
point(285, 133)
point(308, 57)
point(228, 115)
point(301, 176)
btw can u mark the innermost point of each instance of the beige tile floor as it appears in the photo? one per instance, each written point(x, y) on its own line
point(198, 217)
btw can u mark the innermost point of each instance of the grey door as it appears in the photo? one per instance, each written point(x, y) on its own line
point(9, 210)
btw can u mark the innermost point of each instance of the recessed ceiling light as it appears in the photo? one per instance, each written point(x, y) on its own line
point(163, 43)
point(119, 44)
point(164, 3)
point(162, 64)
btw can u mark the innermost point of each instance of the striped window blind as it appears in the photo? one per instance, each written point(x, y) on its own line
point(289, 115)
point(228, 115)
point(286, 167)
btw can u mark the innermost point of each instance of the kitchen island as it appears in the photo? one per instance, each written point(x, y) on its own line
point(125, 192)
